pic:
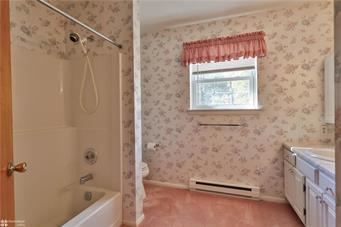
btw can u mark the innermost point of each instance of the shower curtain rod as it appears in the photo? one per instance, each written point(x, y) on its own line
point(78, 22)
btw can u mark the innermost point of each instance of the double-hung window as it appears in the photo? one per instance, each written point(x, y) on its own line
point(229, 85)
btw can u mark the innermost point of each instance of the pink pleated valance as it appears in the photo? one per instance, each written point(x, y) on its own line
point(225, 48)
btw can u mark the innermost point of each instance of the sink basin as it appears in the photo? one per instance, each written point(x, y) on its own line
point(326, 154)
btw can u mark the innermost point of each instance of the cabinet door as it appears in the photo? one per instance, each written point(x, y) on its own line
point(328, 215)
point(299, 193)
point(313, 205)
point(294, 191)
point(288, 182)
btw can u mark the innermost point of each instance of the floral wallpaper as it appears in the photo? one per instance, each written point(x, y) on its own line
point(44, 32)
point(290, 89)
point(39, 29)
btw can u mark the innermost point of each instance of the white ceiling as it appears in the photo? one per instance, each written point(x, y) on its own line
point(157, 14)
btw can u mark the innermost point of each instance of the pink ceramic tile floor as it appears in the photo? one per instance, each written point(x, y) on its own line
point(169, 207)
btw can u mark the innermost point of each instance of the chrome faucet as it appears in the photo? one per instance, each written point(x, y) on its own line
point(86, 178)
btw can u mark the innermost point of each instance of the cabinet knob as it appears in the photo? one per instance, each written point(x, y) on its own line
point(331, 191)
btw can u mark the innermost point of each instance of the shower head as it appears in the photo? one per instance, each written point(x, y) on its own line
point(74, 37)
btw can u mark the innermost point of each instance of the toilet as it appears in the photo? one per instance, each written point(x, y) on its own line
point(145, 172)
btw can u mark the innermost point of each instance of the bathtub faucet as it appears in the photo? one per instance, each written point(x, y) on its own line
point(86, 178)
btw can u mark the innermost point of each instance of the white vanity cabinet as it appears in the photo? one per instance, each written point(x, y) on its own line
point(288, 182)
point(294, 188)
point(328, 212)
point(320, 207)
point(319, 196)
point(309, 189)
point(328, 200)
point(313, 205)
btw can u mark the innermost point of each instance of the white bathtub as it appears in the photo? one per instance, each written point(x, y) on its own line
point(104, 209)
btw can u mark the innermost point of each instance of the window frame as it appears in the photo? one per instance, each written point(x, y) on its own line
point(253, 88)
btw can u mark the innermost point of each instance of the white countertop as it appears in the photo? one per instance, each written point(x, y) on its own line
point(292, 146)
point(327, 167)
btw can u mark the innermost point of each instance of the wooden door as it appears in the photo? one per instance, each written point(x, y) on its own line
point(6, 141)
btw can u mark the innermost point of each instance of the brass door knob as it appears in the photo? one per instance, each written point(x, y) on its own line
point(21, 167)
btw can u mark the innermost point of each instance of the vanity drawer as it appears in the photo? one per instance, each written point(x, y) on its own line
point(289, 156)
point(307, 169)
point(327, 184)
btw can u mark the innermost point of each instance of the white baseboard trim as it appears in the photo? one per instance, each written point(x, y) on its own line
point(134, 223)
point(166, 184)
point(273, 199)
point(267, 198)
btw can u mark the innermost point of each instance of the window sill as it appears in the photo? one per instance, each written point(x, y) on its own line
point(226, 111)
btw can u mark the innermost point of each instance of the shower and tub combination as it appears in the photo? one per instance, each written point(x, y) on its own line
point(66, 120)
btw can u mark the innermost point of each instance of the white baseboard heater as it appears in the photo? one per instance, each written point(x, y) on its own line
point(224, 188)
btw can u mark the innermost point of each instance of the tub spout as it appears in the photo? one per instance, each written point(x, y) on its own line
point(86, 178)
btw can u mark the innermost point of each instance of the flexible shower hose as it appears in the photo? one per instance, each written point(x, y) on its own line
point(87, 64)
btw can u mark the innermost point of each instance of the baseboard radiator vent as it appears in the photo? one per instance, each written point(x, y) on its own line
point(224, 188)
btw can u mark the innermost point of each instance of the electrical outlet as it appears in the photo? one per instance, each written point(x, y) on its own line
point(324, 138)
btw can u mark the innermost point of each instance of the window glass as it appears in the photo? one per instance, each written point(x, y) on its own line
point(231, 85)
